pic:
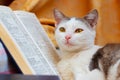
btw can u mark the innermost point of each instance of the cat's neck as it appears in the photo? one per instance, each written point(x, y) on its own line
point(67, 54)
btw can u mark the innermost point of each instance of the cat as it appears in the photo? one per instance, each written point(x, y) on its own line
point(75, 38)
point(109, 59)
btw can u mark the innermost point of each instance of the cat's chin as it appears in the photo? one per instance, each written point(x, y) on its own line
point(70, 47)
point(69, 44)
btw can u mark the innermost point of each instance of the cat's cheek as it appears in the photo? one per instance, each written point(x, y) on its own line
point(61, 42)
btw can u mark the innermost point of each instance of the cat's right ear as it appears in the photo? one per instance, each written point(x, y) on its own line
point(92, 17)
point(58, 15)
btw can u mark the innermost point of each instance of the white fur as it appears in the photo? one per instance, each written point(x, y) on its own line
point(113, 71)
point(75, 61)
point(94, 75)
point(80, 66)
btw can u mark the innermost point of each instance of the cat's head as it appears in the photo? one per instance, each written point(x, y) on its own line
point(75, 33)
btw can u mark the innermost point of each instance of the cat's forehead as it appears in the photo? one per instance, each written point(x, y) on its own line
point(74, 23)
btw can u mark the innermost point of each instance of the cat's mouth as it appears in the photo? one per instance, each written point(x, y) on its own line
point(67, 43)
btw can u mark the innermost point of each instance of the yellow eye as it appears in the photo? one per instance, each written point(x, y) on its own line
point(78, 30)
point(62, 29)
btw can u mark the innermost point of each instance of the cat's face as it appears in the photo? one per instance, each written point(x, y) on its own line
point(73, 33)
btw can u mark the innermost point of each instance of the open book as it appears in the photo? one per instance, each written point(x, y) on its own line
point(27, 42)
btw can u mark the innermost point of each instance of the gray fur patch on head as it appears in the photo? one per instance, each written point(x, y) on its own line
point(85, 22)
point(90, 19)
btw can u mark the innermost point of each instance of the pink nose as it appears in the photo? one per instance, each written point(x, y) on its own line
point(67, 37)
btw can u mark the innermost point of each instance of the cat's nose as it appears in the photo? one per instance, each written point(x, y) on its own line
point(67, 37)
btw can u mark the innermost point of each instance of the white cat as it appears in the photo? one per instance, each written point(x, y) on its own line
point(75, 37)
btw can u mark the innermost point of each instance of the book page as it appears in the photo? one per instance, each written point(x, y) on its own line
point(21, 45)
point(37, 32)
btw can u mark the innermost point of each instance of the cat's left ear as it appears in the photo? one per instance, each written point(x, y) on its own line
point(58, 15)
point(92, 18)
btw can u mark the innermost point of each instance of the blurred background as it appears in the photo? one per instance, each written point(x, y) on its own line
point(108, 27)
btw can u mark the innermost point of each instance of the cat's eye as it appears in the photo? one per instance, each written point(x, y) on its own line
point(62, 29)
point(78, 30)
